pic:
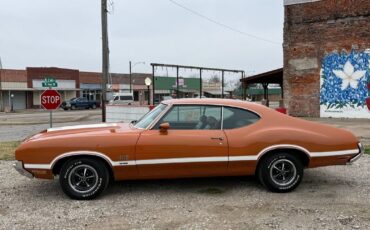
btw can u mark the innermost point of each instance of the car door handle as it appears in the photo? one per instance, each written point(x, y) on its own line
point(217, 138)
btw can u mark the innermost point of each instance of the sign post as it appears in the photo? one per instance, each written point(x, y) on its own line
point(50, 100)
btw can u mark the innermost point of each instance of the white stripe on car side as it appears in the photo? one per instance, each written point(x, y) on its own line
point(182, 160)
point(193, 159)
point(334, 153)
point(37, 166)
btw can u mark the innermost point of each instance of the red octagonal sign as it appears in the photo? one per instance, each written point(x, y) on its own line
point(50, 99)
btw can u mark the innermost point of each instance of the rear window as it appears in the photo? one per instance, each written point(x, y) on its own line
point(236, 118)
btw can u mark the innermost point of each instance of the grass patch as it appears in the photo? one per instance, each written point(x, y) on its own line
point(367, 149)
point(7, 149)
point(211, 191)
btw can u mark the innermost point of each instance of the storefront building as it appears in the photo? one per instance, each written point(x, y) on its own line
point(21, 89)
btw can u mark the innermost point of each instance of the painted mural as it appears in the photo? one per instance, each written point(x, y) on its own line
point(345, 85)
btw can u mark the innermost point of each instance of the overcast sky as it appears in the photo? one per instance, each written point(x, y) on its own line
point(67, 33)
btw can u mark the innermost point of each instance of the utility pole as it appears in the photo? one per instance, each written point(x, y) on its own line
point(105, 52)
point(130, 78)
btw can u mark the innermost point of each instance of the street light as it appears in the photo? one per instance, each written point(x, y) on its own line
point(132, 66)
point(11, 102)
point(148, 82)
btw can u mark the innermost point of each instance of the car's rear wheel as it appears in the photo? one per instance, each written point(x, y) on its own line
point(73, 107)
point(93, 106)
point(84, 178)
point(281, 172)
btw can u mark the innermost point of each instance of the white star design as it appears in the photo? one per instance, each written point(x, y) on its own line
point(349, 76)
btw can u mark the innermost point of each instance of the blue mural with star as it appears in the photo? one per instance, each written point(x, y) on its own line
point(345, 80)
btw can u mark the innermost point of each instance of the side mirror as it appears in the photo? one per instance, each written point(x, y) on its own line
point(164, 127)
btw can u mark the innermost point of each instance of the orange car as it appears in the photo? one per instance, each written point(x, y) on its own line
point(187, 138)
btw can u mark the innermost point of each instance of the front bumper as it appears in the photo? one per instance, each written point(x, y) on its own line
point(357, 156)
point(18, 165)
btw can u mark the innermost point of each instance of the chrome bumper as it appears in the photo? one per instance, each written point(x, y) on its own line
point(358, 156)
point(18, 165)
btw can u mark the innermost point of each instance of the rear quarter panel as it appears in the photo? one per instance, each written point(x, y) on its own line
point(274, 129)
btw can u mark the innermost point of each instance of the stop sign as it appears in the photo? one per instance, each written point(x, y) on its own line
point(50, 99)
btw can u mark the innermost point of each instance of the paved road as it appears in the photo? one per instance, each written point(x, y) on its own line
point(329, 198)
point(360, 127)
point(40, 116)
point(37, 121)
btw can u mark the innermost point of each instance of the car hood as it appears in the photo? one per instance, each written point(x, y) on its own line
point(77, 130)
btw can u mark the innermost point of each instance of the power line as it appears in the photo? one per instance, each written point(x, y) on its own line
point(222, 24)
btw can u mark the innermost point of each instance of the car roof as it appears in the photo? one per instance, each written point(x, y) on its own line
point(218, 101)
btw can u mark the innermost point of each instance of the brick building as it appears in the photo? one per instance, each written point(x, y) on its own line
point(326, 69)
point(327, 58)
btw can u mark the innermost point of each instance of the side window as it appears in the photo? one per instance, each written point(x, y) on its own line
point(115, 98)
point(125, 98)
point(190, 117)
point(236, 118)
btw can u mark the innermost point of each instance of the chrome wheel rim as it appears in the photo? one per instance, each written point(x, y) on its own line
point(283, 172)
point(83, 178)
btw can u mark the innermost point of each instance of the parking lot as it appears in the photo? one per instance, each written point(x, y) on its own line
point(329, 198)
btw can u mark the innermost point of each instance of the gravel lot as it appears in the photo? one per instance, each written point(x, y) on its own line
point(328, 198)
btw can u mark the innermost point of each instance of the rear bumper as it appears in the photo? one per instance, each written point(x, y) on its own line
point(357, 156)
point(18, 165)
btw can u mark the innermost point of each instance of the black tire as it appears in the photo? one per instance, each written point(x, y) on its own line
point(73, 107)
point(93, 106)
point(83, 178)
point(280, 172)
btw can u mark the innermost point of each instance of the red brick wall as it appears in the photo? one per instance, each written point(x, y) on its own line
point(58, 73)
point(12, 75)
point(312, 30)
point(90, 77)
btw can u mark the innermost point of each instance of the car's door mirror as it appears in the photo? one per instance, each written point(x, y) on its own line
point(164, 127)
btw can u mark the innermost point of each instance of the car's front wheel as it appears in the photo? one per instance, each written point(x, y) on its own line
point(83, 178)
point(281, 172)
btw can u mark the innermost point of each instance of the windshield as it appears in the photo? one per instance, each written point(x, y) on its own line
point(148, 118)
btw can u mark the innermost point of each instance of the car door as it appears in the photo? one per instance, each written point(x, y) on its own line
point(80, 103)
point(240, 127)
point(194, 144)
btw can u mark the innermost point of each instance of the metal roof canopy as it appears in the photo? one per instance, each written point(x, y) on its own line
point(200, 74)
point(273, 76)
point(270, 77)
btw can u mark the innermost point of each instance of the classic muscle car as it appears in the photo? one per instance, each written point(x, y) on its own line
point(187, 138)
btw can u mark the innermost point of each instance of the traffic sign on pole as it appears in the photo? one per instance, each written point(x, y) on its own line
point(50, 100)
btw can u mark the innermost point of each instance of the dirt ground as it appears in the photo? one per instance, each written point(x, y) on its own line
point(335, 197)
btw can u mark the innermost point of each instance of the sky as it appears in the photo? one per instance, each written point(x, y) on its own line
point(67, 34)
